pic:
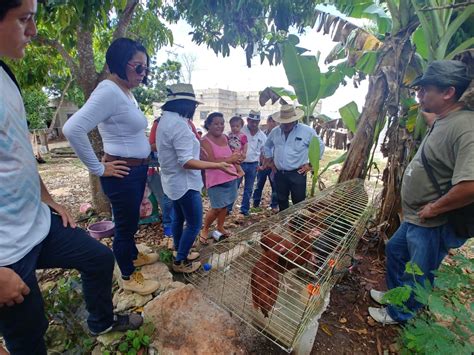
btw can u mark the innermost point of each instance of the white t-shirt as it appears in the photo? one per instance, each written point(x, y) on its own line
point(24, 220)
point(255, 145)
point(121, 125)
point(176, 145)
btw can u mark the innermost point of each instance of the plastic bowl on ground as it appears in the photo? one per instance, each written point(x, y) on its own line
point(101, 229)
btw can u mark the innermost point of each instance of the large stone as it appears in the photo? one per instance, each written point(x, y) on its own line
point(159, 272)
point(188, 323)
point(110, 339)
point(127, 300)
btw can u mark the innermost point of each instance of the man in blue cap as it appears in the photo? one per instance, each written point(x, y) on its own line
point(447, 154)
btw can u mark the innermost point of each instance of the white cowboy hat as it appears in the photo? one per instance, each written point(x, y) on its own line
point(288, 114)
point(254, 115)
point(181, 92)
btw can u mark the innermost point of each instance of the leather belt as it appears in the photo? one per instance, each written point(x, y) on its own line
point(129, 161)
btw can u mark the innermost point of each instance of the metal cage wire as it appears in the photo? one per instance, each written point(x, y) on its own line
point(275, 275)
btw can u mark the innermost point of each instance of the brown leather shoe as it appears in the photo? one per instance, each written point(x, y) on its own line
point(193, 255)
point(145, 259)
point(140, 285)
point(186, 266)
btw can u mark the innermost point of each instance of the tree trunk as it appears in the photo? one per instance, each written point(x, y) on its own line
point(359, 150)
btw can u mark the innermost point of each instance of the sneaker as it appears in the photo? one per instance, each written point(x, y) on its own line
point(381, 315)
point(186, 266)
point(138, 284)
point(122, 323)
point(145, 259)
point(377, 296)
point(193, 255)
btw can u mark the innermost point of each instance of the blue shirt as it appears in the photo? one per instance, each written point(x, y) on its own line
point(292, 152)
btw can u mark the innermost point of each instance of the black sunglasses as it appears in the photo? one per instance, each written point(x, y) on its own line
point(139, 68)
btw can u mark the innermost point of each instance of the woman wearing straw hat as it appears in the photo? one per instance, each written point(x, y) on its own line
point(178, 152)
point(286, 150)
point(123, 172)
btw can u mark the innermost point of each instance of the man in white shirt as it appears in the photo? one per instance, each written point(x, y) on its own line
point(35, 231)
point(256, 140)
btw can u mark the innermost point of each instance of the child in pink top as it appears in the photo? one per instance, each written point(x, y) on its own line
point(238, 140)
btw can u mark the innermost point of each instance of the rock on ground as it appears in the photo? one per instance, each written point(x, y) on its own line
point(127, 300)
point(187, 322)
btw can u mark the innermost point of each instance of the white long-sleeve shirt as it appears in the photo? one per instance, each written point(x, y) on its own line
point(121, 125)
point(24, 220)
point(176, 145)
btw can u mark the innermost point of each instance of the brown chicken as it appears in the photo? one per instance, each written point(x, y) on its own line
point(279, 256)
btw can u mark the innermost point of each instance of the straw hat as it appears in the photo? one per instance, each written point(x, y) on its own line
point(181, 92)
point(254, 115)
point(287, 114)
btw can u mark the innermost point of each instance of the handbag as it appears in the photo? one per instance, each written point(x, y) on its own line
point(462, 219)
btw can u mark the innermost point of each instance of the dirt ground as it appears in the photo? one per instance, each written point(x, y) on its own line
point(345, 327)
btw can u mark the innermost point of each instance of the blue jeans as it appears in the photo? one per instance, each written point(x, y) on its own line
point(250, 170)
point(262, 176)
point(166, 205)
point(186, 209)
point(125, 195)
point(23, 325)
point(423, 246)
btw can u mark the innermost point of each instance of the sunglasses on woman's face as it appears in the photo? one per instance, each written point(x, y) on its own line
point(139, 68)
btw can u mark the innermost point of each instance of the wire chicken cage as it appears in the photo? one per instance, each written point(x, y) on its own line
point(276, 274)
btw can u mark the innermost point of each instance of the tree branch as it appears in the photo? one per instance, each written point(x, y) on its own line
point(71, 63)
point(450, 6)
point(124, 21)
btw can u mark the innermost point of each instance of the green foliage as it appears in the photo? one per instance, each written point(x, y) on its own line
point(62, 304)
point(314, 154)
point(165, 74)
point(350, 115)
point(166, 256)
point(36, 105)
point(132, 341)
point(447, 323)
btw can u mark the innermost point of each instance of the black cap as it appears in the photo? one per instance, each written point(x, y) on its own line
point(444, 73)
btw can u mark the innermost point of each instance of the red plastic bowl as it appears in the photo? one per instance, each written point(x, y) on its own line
point(101, 229)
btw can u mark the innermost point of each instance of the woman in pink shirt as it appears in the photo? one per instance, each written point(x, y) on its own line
point(221, 187)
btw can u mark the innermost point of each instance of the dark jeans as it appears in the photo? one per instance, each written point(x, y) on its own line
point(125, 195)
point(423, 246)
point(262, 176)
point(166, 205)
point(187, 209)
point(289, 182)
point(24, 325)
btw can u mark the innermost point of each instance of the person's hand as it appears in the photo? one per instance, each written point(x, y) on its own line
point(235, 158)
point(12, 288)
point(227, 168)
point(63, 213)
point(116, 168)
point(427, 211)
point(303, 170)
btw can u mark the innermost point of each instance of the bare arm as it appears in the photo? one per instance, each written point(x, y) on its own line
point(459, 195)
point(211, 158)
point(61, 210)
point(201, 165)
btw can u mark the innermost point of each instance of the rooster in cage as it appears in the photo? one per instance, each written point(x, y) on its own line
point(280, 255)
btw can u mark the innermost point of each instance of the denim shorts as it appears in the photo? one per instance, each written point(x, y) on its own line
point(223, 195)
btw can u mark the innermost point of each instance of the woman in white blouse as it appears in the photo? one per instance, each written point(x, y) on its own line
point(113, 109)
point(178, 152)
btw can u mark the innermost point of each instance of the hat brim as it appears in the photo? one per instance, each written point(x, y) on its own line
point(178, 97)
point(253, 119)
point(277, 117)
point(420, 81)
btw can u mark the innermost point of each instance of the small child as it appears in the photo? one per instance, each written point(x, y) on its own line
point(237, 140)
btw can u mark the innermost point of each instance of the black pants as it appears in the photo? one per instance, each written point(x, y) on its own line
point(289, 182)
point(24, 325)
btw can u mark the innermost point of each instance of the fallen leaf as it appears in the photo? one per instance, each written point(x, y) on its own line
point(326, 330)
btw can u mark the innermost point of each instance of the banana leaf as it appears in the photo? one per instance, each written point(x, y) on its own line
point(314, 156)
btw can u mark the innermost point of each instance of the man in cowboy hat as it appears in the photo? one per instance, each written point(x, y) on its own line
point(256, 139)
point(425, 236)
point(286, 150)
